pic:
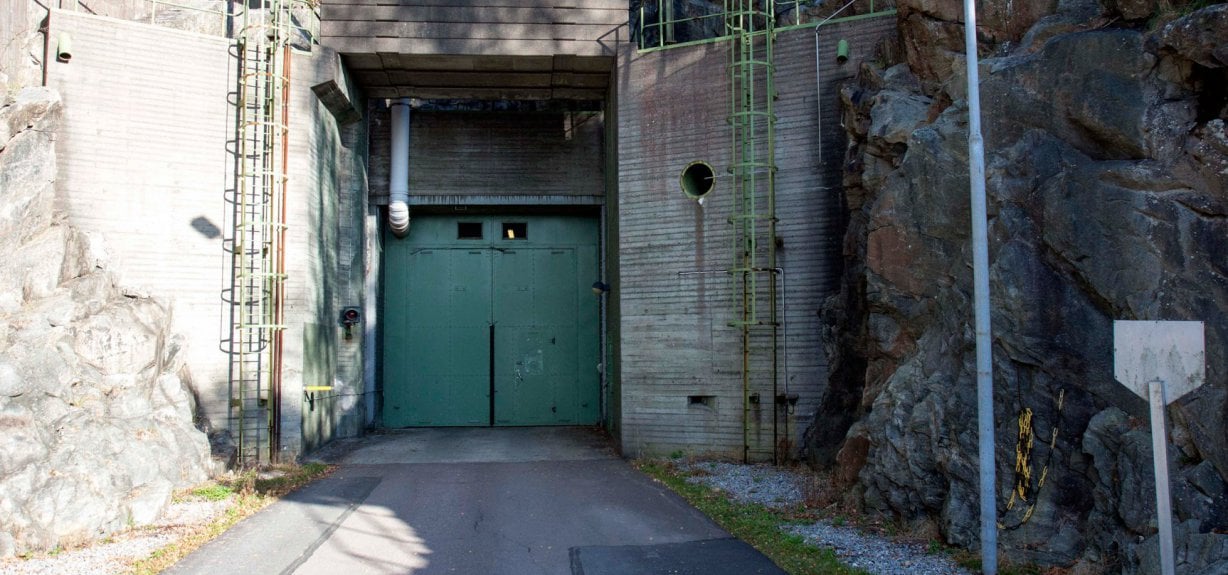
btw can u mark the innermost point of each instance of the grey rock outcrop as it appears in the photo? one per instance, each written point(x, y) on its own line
point(96, 426)
point(1107, 165)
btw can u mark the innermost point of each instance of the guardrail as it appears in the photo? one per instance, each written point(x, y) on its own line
point(228, 18)
point(658, 27)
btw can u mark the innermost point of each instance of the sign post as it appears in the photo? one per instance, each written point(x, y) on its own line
point(1160, 361)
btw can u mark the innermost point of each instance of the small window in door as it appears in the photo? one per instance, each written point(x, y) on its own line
point(515, 231)
point(469, 230)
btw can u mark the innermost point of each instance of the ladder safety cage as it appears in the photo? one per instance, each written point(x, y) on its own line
point(257, 247)
point(751, 26)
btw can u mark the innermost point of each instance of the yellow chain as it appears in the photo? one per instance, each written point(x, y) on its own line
point(1023, 456)
point(1023, 461)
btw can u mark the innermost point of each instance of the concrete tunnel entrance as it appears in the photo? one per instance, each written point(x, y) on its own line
point(488, 316)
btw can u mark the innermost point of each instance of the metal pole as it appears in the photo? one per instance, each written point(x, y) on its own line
point(602, 313)
point(784, 325)
point(980, 281)
point(1159, 450)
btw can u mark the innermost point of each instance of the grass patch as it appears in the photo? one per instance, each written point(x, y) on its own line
point(252, 491)
point(212, 492)
point(752, 523)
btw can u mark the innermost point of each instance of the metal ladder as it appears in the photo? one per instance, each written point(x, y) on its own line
point(256, 246)
point(751, 25)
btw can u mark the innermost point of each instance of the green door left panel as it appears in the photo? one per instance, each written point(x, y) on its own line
point(436, 358)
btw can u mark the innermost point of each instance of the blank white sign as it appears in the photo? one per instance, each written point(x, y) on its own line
point(1171, 351)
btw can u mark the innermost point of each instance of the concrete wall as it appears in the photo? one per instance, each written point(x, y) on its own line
point(491, 27)
point(146, 161)
point(145, 164)
point(121, 9)
point(201, 16)
point(326, 261)
point(494, 153)
point(675, 338)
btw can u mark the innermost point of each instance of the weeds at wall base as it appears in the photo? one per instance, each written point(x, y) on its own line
point(755, 524)
point(763, 527)
point(250, 491)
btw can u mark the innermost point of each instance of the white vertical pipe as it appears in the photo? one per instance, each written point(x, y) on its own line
point(398, 172)
point(980, 281)
point(1159, 451)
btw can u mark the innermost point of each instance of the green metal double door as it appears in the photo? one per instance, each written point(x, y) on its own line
point(492, 321)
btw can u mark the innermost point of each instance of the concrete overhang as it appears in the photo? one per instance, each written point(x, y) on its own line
point(485, 77)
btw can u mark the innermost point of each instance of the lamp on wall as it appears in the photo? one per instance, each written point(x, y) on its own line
point(600, 287)
point(350, 317)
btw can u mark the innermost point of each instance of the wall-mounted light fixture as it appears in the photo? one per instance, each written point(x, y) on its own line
point(350, 317)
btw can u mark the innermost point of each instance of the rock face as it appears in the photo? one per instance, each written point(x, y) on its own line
point(1107, 177)
point(96, 426)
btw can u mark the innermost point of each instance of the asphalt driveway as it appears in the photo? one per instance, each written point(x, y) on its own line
point(479, 501)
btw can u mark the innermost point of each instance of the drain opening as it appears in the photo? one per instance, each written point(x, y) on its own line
point(697, 179)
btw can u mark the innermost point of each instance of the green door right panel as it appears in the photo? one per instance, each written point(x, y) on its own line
point(535, 337)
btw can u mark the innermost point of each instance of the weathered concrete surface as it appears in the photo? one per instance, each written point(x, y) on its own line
point(473, 30)
point(499, 501)
point(155, 178)
point(1106, 168)
point(674, 333)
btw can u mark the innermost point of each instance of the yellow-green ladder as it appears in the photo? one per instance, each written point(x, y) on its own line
point(257, 248)
point(751, 26)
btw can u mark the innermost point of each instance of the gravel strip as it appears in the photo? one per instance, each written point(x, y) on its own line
point(784, 487)
point(763, 484)
point(875, 554)
point(117, 555)
point(101, 559)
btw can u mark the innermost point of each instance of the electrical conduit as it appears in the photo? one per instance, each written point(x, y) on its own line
point(398, 172)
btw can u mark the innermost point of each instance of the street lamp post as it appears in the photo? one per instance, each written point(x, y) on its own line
point(980, 281)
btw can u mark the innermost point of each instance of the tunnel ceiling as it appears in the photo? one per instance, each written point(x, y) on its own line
point(563, 77)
